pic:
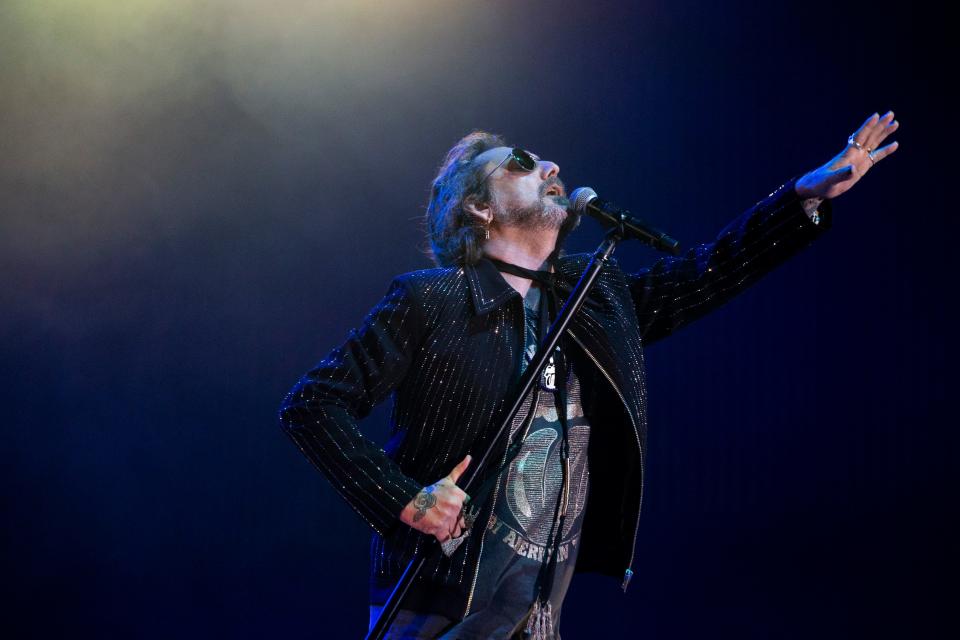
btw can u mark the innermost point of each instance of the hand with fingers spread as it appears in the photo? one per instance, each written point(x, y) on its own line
point(862, 152)
point(438, 509)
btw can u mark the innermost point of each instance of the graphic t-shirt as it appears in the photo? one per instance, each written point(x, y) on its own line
point(521, 528)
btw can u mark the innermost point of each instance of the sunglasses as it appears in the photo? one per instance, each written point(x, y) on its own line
point(520, 160)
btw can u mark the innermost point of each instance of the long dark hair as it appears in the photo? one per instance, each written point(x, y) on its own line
point(455, 236)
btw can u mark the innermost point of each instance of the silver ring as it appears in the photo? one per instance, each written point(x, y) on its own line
point(859, 146)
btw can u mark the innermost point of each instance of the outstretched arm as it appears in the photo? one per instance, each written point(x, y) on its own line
point(675, 291)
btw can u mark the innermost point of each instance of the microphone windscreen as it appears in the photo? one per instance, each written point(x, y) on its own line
point(580, 198)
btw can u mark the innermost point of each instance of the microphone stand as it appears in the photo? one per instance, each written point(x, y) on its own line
point(600, 259)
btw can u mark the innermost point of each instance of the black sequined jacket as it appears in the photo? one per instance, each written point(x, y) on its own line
point(447, 344)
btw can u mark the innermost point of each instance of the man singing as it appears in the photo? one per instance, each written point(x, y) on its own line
point(450, 343)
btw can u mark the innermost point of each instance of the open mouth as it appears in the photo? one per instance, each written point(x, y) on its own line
point(553, 190)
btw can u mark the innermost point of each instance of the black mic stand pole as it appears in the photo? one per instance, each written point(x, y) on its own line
point(600, 259)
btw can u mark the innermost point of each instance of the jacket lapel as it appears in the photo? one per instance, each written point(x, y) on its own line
point(591, 325)
point(487, 287)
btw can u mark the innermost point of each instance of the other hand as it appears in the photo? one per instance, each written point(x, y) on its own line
point(862, 152)
point(438, 509)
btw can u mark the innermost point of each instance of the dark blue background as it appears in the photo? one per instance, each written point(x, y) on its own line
point(176, 252)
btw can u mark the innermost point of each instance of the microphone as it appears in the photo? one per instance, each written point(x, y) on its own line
point(584, 200)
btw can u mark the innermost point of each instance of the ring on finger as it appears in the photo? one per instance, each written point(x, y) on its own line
point(859, 146)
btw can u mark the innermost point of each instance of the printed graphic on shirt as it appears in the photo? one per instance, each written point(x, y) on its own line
point(534, 479)
point(524, 547)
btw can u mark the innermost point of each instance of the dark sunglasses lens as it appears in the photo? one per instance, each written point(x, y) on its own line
point(524, 160)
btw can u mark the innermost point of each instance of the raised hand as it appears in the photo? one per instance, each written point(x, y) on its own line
point(862, 152)
point(438, 509)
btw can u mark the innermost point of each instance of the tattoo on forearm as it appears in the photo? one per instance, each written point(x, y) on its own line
point(424, 500)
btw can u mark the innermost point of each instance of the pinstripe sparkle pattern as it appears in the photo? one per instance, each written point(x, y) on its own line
point(447, 344)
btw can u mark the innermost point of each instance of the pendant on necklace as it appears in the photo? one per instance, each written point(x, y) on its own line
point(548, 377)
point(548, 380)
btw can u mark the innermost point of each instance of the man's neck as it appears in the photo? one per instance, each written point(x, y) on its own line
point(523, 247)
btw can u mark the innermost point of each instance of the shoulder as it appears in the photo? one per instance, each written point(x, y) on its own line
point(424, 277)
point(575, 263)
point(429, 282)
point(612, 283)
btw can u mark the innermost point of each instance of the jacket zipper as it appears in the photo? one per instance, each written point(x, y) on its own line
point(483, 536)
point(628, 574)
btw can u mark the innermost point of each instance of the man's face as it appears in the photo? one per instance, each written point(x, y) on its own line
point(528, 199)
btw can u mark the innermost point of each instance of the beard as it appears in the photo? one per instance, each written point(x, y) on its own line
point(546, 214)
point(543, 215)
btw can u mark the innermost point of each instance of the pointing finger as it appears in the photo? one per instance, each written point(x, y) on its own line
point(459, 469)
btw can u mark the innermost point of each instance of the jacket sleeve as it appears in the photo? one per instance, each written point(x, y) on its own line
point(677, 290)
point(321, 412)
